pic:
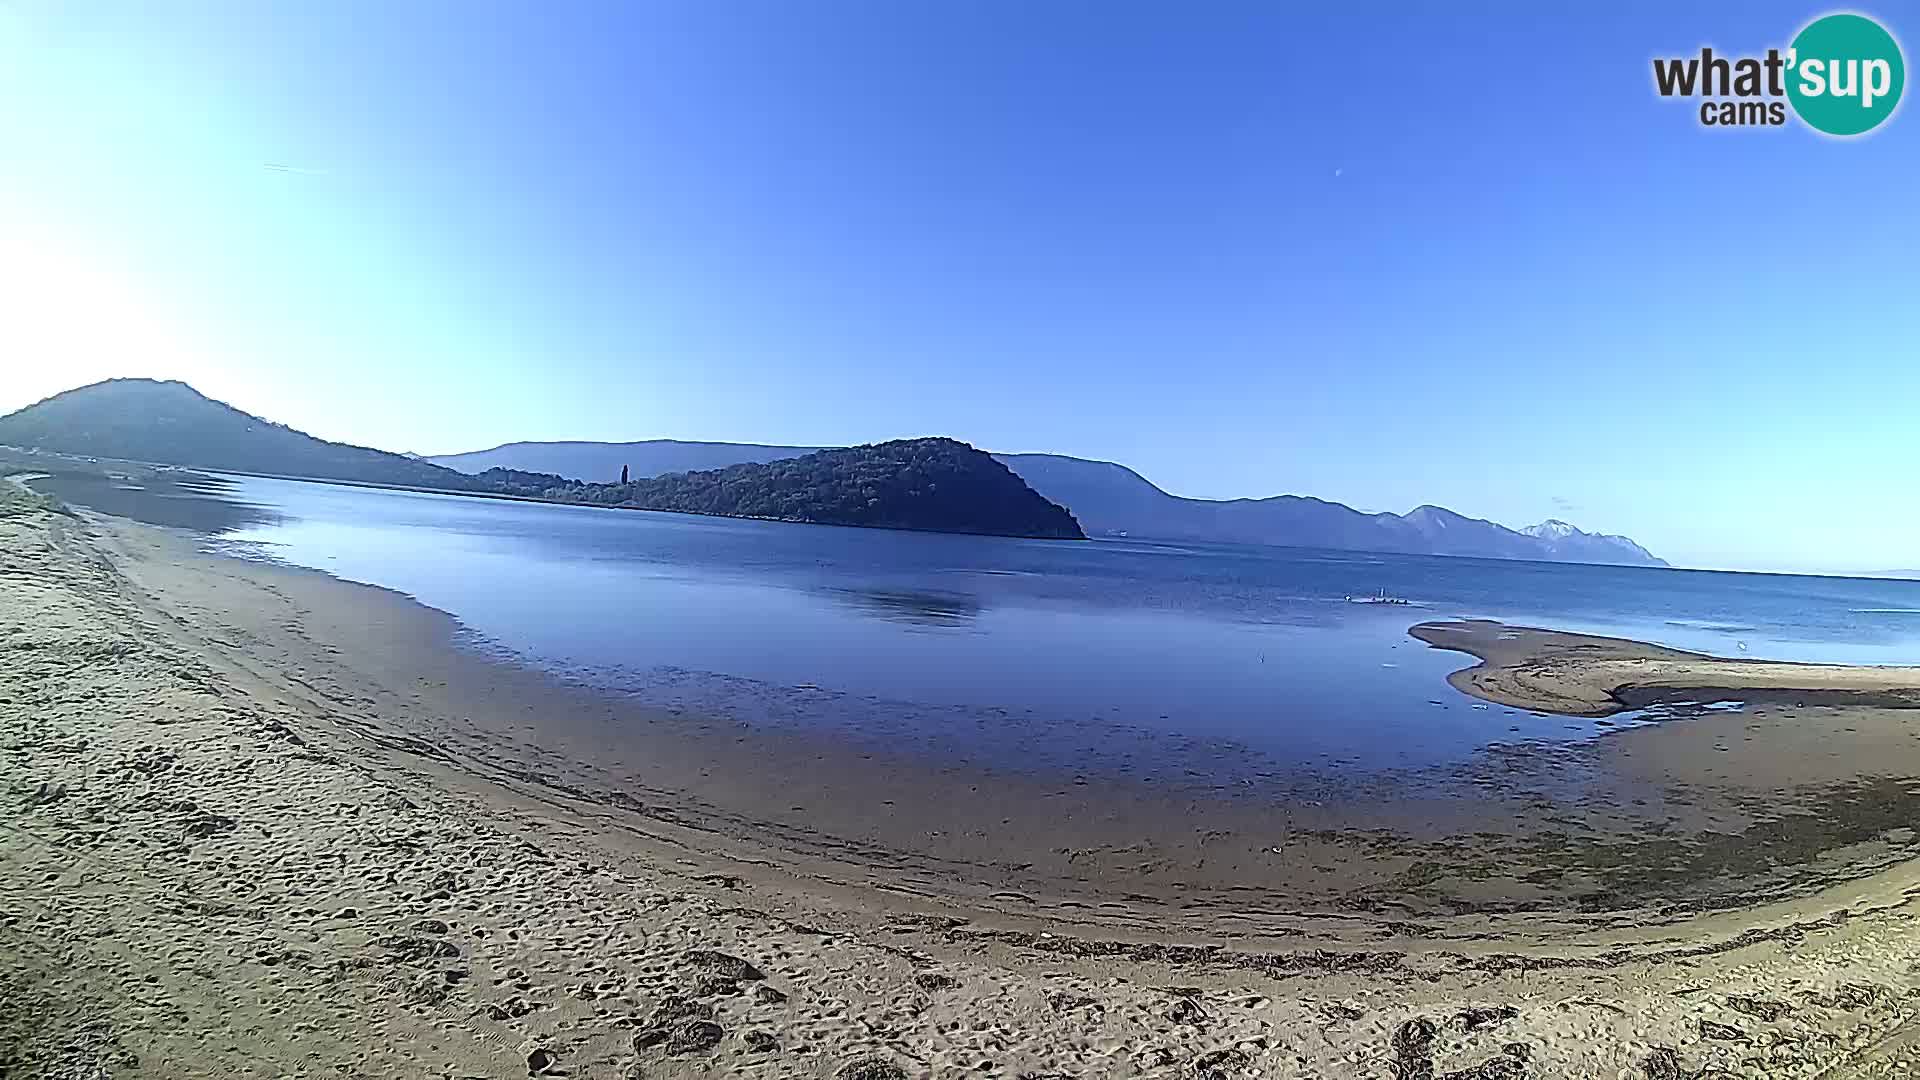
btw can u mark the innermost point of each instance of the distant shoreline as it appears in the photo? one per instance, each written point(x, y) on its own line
point(505, 497)
point(639, 509)
point(24, 460)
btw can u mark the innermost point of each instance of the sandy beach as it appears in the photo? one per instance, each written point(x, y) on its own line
point(262, 822)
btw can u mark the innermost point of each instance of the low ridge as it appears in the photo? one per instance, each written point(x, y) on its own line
point(171, 423)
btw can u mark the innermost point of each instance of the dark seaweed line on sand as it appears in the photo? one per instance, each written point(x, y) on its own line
point(1282, 965)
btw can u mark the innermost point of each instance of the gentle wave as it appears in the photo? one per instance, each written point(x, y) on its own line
point(1702, 624)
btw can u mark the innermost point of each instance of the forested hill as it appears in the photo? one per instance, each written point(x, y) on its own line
point(938, 485)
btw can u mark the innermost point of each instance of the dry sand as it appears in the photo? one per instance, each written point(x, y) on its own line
point(260, 823)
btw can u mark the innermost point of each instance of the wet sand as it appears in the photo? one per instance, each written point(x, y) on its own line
point(267, 823)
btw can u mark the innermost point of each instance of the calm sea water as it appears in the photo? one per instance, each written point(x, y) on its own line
point(1020, 653)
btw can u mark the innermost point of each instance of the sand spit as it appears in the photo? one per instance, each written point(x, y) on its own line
point(223, 855)
point(1583, 675)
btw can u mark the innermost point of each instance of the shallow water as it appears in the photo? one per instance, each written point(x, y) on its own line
point(1128, 657)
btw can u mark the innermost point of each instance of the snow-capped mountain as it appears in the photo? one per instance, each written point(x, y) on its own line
point(1567, 542)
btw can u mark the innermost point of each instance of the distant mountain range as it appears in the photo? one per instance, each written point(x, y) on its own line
point(1113, 500)
point(938, 485)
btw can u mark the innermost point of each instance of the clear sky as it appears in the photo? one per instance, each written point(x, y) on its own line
point(1387, 254)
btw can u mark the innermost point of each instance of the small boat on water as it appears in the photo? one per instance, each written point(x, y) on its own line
point(1382, 598)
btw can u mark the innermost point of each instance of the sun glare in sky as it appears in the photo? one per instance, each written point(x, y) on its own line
point(74, 317)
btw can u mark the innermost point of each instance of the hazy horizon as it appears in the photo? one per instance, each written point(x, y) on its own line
point(1466, 258)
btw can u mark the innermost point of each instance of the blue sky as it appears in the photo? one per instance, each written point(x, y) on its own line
point(1389, 255)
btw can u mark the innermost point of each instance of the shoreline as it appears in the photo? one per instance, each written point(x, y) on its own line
point(1117, 853)
point(281, 735)
point(1373, 852)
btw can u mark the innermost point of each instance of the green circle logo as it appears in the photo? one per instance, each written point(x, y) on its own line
point(1845, 74)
